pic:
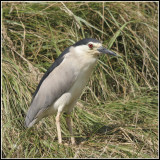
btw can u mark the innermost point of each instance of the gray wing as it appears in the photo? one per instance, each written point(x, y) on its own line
point(59, 81)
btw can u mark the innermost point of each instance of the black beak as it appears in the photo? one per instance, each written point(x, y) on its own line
point(106, 51)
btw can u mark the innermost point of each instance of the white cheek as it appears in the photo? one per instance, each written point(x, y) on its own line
point(81, 50)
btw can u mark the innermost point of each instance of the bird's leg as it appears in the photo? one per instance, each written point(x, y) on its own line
point(70, 124)
point(58, 128)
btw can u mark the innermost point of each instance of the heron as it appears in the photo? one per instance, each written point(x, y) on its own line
point(63, 83)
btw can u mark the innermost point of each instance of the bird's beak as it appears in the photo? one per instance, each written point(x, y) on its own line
point(106, 51)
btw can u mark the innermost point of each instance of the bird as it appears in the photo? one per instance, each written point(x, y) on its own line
point(63, 83)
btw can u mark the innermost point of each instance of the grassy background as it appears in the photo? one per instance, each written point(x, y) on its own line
point(117, 114)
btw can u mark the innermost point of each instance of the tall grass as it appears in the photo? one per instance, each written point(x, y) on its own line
point(117, 114)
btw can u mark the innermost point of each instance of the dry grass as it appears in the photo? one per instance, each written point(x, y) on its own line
point(117, 114)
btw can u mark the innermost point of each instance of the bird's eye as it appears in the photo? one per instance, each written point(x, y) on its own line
point(90, 46)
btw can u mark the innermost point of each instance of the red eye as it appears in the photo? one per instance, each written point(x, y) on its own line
point(90, 46)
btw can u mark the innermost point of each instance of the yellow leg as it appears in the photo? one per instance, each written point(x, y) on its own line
point(58, 128)
point(70, 124)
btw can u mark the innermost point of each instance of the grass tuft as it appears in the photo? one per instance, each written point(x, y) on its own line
point(117, 114)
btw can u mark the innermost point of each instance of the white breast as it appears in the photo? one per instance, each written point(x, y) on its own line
point(84, 69)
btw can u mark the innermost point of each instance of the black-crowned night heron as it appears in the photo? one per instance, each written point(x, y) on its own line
point(62, 84)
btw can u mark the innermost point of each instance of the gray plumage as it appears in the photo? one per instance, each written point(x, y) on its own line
point(63, 83)
point(52, 86)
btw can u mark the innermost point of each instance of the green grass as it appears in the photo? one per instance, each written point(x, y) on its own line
point(117, 114)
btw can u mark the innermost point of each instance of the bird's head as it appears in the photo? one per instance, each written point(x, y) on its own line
point(91, 47)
